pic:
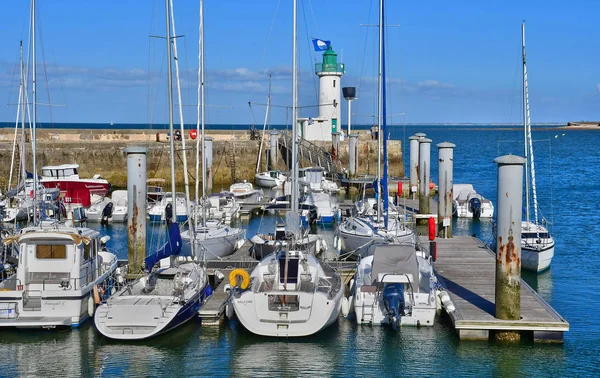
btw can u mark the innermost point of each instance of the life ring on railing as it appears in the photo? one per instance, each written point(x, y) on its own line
point(237, 274)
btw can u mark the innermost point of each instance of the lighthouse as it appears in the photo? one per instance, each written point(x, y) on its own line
point(330, 74)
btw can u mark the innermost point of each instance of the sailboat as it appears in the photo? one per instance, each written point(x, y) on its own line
point(290, 293)
point(211, 236)
point(163, 298)
point(537, 244)
point(357, 233)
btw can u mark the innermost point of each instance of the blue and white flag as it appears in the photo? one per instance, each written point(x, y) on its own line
point(320, 45)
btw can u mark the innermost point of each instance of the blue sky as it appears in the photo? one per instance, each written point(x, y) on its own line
point(448, 61)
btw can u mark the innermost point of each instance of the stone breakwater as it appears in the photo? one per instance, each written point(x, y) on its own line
point(101, 152)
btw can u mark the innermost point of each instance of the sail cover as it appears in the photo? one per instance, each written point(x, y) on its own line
point(171, 248)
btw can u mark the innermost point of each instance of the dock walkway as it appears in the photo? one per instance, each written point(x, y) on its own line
point(466, 268)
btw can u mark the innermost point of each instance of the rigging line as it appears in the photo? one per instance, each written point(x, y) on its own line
point(39, 22)
point(312, 12)
point(150, 66)
point(12, 82)
point(362, 66)
point(311, 55)
point(267, 43)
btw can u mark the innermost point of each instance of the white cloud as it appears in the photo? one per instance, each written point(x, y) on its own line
point(434, 84)
point(598, 87)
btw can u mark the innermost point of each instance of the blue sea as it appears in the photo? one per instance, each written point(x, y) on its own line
point(569, 193)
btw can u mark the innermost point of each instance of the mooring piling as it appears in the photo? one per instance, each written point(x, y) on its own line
point(424, 174)
point(335, 145)
point(208, 158)
point(273, 142)
point(136, 208)
point(353, 155)
point(414, 165)
point(508, 251)
point(445, 173)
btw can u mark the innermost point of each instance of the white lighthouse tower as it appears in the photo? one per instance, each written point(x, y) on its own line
point(330, 85)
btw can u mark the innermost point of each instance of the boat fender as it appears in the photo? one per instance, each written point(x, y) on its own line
point(98, 292)
point(227, 288)
point(239, 278)
point(336, 242)
point(91, 306)
point(447, 302)
point(219, 275)
point(345, 307)
point(229, 310)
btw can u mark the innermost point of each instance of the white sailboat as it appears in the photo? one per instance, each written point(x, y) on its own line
point(356, 233)
point(163, 298)
point(290, 293)
point(213, 237)
point(537, 244)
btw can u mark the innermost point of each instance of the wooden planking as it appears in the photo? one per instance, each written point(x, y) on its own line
point(466, 268)
point(211, 313)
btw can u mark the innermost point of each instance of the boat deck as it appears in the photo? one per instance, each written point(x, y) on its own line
point(466, 268)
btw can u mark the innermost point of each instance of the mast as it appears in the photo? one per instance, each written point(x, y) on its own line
point(529, 164)
point(262, 139)
point(23, 171)
point(294, 201)
point(20, 104)
point(184, 157)
point(34, 92)
point(170, 93)
point(202, 108)
point(379, 111)
point(383, 130)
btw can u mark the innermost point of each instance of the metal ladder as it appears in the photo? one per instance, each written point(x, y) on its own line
point(368, 310)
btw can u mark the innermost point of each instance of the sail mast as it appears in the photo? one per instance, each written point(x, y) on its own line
point(33, 131)
point(184, 157)
point(170, 93)
point(528, 139)
point(383, 130)
point(294, 201)
point(262, 139)
point(19, 106)
point(379, 110)
point(202, 109)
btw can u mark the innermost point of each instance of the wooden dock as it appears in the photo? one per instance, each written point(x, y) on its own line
point(211, 313)
point(466, 268)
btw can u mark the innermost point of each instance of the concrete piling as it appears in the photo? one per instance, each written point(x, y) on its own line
point(273, 140)
point(445, 173)
point(414, 165)
point(424, 175)
point(208, 158)
point(508, 251)
point(353, 155)
point(136, 209)
point(335, 145)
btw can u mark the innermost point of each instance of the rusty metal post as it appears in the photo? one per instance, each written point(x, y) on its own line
point(136, 209)
point(353, 155)
point(424, 175)
point(208, 158)
point(335, 145)
point(273, 141)
point(414, 164)
point(508, 251)
point(445, 172)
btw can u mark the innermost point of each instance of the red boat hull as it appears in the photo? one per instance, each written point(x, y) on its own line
point(77, 191)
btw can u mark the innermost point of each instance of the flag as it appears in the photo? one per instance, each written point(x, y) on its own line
point(320, 45)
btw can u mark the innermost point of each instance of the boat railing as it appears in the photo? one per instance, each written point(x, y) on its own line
point(11, 283)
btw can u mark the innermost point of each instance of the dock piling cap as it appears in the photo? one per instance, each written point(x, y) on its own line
point(446, 145)
point(135, 150)
point(414, 137)
point(510, 160)
point(425, 140)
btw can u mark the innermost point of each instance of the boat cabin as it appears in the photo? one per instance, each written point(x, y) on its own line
point(69, 171)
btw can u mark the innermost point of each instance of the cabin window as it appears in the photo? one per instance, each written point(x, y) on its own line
point(46, 172)
point(69, 172)
point(334, 83)
point(86, 251)
point(534, 235)
point(45, 251)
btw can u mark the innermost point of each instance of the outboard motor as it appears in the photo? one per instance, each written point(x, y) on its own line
point(107, 213)
point(393, 300)
point(169, 214)
point(475, 207)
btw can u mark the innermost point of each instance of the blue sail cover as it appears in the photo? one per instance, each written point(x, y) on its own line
point(171, 248)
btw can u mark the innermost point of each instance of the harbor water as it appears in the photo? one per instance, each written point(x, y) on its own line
point(567, 169)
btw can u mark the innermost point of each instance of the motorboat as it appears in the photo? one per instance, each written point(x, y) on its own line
point(467, 203)
point(327, 209)
point(214, 239)
point(288, 294)
point(223, 207)
point(155, 189)
point(74, 191)
point(313, 179)
point(270, 179)
point(162, 299)
point(107, 210)
point(60, 275)
point(394, 286)
point(160, 212)
point(244, 192)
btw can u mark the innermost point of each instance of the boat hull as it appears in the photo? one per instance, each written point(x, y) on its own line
point(536, 260)
point(221, 245)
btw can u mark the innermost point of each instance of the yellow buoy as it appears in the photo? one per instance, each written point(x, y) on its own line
point(236, 275)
